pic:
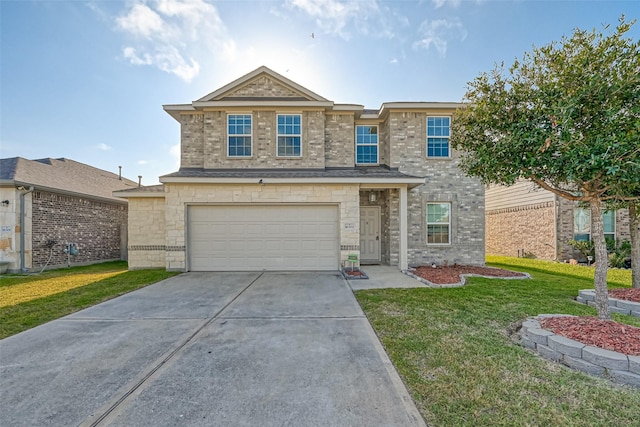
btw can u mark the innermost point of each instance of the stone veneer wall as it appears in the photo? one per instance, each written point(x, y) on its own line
point(444, 182)
point(179, 196)
point(147, 233)
point(529, 229)
point(94, 226)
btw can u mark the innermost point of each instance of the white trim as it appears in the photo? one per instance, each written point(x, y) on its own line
point(250, 135)
point(278, 156)
point(427, 223)
point(364, 182)
point(404, 248)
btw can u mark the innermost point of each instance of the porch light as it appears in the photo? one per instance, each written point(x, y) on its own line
point(372, 197)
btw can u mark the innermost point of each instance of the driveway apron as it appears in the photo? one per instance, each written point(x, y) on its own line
point(208, 349)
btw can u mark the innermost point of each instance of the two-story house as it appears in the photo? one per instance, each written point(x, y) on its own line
point(276, 177)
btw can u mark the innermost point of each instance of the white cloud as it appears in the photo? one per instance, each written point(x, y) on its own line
point(172, 34)
point(440, 3)
point(438, 33)
point(337, 16)
point(142, 162)
point(104, 147)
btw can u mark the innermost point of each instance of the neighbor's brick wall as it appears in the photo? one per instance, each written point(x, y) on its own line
point(93, 225)
point(178, 196)
point(147, 233)
point(565, 228)
point(444, 182)
point(527, 228)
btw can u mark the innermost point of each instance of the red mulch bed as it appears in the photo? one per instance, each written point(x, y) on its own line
point(605, 334)
point(451, 274)
point(628, 294)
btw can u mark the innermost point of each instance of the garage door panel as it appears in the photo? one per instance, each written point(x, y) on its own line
point(266, 237)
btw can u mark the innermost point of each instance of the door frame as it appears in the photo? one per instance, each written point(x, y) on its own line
point(379, 231)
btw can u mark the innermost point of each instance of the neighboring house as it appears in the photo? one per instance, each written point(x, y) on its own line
point(276, 177)
point(526, 220)
point(47, 204)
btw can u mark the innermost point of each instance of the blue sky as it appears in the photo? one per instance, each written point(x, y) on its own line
point(87, 80)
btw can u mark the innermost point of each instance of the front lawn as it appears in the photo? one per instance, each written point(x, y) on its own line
point(453, 351)
point(27, 301)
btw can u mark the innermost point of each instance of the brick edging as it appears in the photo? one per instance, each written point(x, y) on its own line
point(588, 296)
point(463, 279)
point(615, 366)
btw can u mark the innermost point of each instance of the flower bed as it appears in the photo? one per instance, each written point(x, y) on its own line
point(451, 276)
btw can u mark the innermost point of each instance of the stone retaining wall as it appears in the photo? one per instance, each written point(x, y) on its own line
point(615, 366)
point(588, 296)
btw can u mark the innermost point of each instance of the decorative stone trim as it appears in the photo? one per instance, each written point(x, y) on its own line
point(146, 247)
point(588, 296)
point(521, 208)
point(156, 248)
point(463, 279)
point(615, 366)
point(349, 247)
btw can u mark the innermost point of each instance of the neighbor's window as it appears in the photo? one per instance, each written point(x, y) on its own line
point(366, 144)
point(438, 223)
point(582, 224)
point(289, 135)
point(438, 132)
point(239, 135)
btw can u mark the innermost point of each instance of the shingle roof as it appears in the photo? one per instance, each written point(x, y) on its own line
point(359, 172)
point(63, 175)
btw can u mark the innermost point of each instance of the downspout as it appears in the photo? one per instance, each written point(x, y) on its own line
point(22, 230)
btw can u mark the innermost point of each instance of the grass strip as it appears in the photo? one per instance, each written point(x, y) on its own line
point(25, 315)
point(454, 351)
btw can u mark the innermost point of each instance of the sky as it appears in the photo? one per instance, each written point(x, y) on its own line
point(86, 80)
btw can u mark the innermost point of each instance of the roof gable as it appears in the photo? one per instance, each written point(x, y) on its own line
point(264, 84)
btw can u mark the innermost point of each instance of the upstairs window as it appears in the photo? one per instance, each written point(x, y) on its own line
point(438, 132)
point(438, 223)
point(239, 135)
point(366, 145)
point(289, 135)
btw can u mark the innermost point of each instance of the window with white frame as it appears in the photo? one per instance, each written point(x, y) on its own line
point(582, 224)
point(239, 135)
point(289, 135)
point(438, 133)
point(438, 223)
point(366, 144)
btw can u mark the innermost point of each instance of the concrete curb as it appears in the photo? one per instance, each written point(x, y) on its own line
point(617, 367)
point(463, 279)
point(588, 297)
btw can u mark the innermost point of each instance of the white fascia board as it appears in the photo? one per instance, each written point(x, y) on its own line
point(254, 103)
point(175, 110)
point(364, 182)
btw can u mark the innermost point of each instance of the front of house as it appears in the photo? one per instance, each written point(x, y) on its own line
point(276, 177)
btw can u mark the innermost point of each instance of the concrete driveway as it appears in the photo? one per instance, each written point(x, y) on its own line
point(208, 349)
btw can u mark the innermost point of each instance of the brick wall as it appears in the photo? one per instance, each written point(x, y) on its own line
point(339, 140)
point(94, 226)
point(530, 228)
point(444, 182)
point(147, 232)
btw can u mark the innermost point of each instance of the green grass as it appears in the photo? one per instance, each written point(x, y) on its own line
point(453, 349)
point(66, 291)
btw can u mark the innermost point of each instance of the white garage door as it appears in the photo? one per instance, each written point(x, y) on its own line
point(265, 237)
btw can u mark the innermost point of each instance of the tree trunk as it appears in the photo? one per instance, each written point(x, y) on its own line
point(602, 260)
point(634, 230)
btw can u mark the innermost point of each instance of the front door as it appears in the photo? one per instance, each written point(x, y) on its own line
point(369, 234)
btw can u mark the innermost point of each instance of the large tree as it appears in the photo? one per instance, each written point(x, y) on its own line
point(566, 117)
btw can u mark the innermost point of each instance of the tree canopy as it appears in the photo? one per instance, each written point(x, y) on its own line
point(567, 117)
